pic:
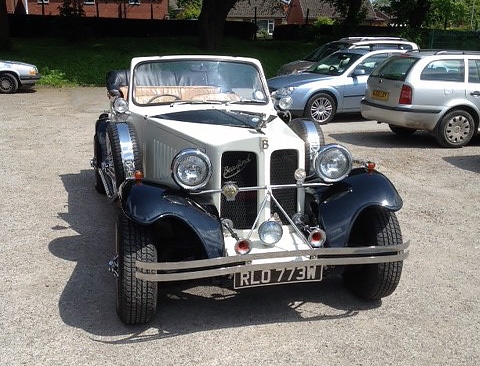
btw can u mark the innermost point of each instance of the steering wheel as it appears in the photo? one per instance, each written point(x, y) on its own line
point(332, 69)
point(175, 97)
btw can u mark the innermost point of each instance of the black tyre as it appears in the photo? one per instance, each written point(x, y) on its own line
point(8, 84)
point(116, 170)
point(455, 129)
point(136, 299)
point(378, 227)
point(311, 133)
point(99, 187)
point(320, 108)
point(401, 131)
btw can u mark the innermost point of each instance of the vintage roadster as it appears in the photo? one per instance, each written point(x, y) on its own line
point(213, 179)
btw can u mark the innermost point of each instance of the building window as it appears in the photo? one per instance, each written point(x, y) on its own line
point(89, 2)
point(133, 2)
point(43, 1)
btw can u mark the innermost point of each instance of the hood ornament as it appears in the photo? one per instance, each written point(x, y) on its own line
point(262, 122)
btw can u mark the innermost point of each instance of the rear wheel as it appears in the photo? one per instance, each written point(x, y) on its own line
point(136, 299)
point(321, 108)
point(377, 227)
point(8, 84)
point(455, 129)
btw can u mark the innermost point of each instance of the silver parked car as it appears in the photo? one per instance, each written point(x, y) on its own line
point(336, 84)
point(437, 91)
point(363, 43)
point(15, 75)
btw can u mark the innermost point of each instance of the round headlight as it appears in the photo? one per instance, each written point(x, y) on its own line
point(270, 232)
point(285, 103)
point(192, 169)
point(333, 163)
point(120, 105)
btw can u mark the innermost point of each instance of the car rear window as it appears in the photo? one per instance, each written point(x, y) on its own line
point(395, 68)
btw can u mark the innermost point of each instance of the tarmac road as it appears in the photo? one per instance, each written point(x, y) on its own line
point(57, 299)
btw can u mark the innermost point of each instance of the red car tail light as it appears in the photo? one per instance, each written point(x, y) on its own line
point(405, 95)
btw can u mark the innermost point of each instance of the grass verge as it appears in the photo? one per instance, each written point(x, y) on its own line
point(85, 63)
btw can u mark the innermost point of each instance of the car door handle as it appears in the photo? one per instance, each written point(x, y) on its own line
point(475, 93)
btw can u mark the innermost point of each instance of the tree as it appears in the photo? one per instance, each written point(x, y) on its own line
point(448, 13)
point(352, 12)
point(71, 8)
point(211, 22)
point(413, 13)
point(189, 9)
point(5, 42)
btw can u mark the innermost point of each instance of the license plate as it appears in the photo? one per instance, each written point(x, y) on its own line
point(264, 277)
point(380, 94)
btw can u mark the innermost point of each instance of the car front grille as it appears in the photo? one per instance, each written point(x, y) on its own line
point(241, 167)
point(282, 169)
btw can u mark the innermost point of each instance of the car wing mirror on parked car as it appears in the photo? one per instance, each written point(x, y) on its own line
point(359, 71)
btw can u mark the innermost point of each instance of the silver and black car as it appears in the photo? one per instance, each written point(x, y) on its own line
point(435, 91)
point(15, 75)
point(210, 182)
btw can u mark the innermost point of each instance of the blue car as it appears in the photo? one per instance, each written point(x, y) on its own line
point(335, 84)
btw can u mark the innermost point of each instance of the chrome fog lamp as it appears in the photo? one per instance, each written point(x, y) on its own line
point(192, 169)
point(300, 175)
point(270, 232)
point(285, 103)
point(120, 105)
point(333, 163)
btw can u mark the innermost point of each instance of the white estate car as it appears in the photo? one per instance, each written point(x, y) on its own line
point(209, 181)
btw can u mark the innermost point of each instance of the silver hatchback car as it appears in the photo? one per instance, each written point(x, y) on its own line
point(437, 91)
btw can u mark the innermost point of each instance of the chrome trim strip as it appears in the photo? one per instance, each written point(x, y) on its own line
point(229, 265)
point(256, 188)
point(401, 109)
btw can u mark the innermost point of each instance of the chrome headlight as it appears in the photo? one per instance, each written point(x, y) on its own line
point(270, 232)
point(285, 103)
point(120, 105)
point(283, 97)
point(333, 163)
point(192, 169)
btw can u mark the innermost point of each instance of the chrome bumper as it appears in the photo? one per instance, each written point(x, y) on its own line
point(204, 268)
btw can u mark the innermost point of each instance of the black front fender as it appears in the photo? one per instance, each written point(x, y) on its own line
point(147, 202)
point(341, 203)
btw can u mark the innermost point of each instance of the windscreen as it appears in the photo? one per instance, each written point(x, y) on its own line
point(335, 64)
point(197, 81)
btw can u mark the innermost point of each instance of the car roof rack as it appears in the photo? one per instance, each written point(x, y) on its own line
point(373, 38)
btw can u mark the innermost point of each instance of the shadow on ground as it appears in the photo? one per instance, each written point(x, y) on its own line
point(88, 299)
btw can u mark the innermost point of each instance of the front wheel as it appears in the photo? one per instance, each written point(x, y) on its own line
point(320, 108)
point(455, 129)
point(377, 227)
point(136, 299)
point(8, 84)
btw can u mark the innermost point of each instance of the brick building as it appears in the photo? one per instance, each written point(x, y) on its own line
point(132, 9)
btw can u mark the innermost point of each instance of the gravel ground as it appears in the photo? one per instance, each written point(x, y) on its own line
point(57, 301)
